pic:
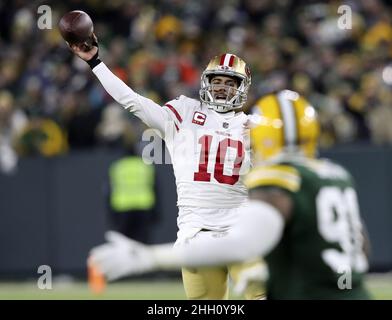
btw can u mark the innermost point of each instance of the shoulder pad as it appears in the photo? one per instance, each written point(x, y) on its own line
point(283, 176)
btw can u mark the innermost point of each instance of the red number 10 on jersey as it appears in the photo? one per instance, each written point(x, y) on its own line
point(203, 175)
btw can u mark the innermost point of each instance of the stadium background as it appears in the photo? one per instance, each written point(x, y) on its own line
point(59, 130)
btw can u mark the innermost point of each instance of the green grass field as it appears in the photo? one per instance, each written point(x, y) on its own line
point(379, 285)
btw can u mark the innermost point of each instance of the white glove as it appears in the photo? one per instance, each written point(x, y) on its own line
point(258, 273)
point(121, 256)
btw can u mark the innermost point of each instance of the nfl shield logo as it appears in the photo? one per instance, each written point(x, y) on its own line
point(225, 125)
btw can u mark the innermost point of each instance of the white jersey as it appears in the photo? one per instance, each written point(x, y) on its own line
point(210, 152)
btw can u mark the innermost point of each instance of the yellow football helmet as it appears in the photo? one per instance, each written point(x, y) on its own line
point(227, 65)
point(284, 122)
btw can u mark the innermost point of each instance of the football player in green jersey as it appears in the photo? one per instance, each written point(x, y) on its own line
point(323, 243)
point(302, 217)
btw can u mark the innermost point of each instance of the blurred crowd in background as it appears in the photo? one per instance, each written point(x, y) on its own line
point(51, 103)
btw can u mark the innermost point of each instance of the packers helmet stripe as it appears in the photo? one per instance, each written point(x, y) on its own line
point(278, 115)
point(298, 115)
point(289, 118)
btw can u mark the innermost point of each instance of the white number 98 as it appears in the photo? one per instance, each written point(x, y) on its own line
point(338, 221)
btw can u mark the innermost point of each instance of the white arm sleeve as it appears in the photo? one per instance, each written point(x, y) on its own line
point(257, 232)
point(151, 113)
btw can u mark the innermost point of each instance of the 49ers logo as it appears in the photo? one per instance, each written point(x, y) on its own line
point(199, 118)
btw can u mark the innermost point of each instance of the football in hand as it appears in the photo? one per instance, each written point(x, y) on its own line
point(77, 28)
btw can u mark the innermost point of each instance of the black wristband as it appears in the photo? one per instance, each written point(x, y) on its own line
point(94, 61)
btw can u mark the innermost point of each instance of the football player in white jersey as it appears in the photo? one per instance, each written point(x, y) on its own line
point(208, 141)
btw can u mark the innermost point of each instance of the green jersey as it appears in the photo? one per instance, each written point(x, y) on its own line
point(320, 255)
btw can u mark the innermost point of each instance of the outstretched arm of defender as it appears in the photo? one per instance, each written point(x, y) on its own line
point(256, 233)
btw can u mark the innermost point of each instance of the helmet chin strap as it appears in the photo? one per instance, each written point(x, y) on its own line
point(221, 109)
point(217, 109)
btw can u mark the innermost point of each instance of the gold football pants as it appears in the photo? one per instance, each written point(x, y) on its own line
point(211, 283)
